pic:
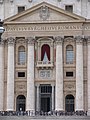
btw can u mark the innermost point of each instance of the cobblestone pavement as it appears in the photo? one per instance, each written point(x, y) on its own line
point(45, 117)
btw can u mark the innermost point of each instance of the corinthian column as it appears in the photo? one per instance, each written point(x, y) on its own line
point(79, 73)
point(10, 75)
point(1, 74)
point(59, 75)
point(88, 71)
point(30, 76)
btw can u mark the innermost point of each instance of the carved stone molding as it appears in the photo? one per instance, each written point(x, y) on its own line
point(69, 39)
point(20, 86)
point(11, 41)
point(79, 39)
point(21, 41)
point(30, 40)
point(59, 40)
point(69, 86)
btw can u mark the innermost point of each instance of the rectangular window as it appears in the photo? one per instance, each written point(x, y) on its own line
point(22, 58)
point(21, 74)
point(69, 8)
point(69, 74)
point(46, 89)
point(68, 37)
point(21, 9)
point(70, 57)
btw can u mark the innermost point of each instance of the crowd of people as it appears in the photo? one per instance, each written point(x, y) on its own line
point(41, 113)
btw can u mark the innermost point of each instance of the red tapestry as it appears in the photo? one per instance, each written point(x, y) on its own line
point(45, 48)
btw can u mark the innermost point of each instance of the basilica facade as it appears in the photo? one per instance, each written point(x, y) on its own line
point(45, 61)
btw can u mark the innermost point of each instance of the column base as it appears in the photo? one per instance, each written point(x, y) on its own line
point(31, 113)
point(88, 112)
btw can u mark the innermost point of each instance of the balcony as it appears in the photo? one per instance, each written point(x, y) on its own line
point(44, 64)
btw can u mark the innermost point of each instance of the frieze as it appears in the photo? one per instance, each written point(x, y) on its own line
point(47, 27)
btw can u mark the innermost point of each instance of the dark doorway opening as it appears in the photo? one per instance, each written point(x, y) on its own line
point(45, 104)
point(21, 103)
point(69, 103)
point(45, 97)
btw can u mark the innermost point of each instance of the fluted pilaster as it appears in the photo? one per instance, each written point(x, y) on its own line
point(10, 75)
point(88, 71)
point(38, 99)
point(1, 74)
point(79, 73)
point(59, 74)
point(30, 76)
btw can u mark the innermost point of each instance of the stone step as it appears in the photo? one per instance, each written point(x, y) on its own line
point(45, 117)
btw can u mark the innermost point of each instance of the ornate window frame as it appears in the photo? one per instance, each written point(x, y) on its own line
point(70, 41)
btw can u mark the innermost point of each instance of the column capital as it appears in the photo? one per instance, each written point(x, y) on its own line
point(59, 40)
point(88, 39)
point(79, 39)
point(11, 41)
point(1, 42)
point(30, 40)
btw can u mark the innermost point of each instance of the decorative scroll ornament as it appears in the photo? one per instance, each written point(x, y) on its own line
point(44, 13)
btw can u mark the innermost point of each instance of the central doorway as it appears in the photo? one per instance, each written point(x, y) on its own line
point(45, 104)
point(45, 98)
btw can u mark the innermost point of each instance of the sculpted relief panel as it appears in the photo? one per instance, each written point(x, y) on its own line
point(69, 86)
point(20, 86)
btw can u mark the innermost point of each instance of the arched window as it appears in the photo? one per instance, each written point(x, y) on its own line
point(45, 53)
point(69, 103)
point(69, 54)
point(21, 55)
point(20, 103)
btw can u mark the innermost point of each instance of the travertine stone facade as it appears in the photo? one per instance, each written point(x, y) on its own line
point(54, 48)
